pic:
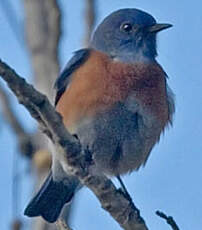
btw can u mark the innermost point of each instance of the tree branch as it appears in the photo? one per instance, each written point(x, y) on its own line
point(68, 147)
point(169, 220)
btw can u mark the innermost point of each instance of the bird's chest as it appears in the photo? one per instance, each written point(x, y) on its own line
point(141, 88)
point(96, 89)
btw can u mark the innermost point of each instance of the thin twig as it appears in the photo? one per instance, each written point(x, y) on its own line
point(169, 220)
point(68, 147)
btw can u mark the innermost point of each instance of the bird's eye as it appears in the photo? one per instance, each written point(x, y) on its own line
point(126, 27)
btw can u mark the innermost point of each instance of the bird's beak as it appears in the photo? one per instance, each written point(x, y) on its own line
point(158, 27)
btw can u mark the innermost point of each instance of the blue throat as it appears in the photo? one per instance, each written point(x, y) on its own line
point(128, 52)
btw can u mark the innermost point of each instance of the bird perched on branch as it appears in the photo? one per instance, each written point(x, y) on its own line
point(114, 97)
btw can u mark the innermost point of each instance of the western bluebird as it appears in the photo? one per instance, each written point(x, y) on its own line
point(114, 97)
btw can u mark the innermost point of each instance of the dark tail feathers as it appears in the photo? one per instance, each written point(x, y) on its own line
point(50, 199)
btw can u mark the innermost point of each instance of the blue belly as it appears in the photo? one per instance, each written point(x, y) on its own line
point(118, 140)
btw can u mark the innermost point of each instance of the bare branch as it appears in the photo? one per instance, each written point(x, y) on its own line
point(169, 220)
point(112, 200)
point(24, 139)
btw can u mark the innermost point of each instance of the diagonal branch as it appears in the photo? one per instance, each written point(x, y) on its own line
point(68, 147)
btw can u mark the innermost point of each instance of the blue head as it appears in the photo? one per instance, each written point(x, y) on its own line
point(128, 35)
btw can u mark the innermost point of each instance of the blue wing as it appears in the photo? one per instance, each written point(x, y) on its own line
point(64, 78)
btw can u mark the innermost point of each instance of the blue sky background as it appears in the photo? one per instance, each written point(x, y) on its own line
point(172, 178)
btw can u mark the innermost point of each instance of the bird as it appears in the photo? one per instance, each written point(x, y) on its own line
point(114, 97)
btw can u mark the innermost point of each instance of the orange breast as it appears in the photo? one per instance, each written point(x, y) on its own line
point(101, 82)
